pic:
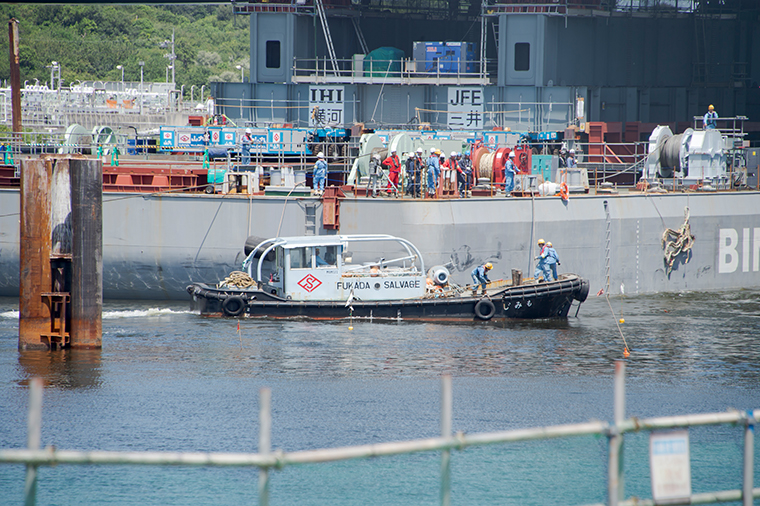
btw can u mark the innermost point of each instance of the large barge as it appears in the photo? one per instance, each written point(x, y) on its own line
point(154, 244)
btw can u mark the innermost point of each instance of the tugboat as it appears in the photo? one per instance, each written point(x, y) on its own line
point(344, 276)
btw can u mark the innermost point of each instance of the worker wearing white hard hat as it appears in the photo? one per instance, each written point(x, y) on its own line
point(510, 170)
point(394, 169)
point(571, 164)
point(414, 168)
point(245, 147)
point(320, 174)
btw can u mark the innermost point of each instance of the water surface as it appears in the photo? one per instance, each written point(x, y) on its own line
point(168, 379)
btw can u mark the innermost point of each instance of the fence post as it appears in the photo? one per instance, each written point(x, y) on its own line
point(446, 409)
point(34, 428)
point(615, 480)
point(749, 458)
point(265, 441)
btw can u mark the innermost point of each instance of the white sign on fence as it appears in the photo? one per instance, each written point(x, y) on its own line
point(465, 108)
point(670, 466)
point(326, 105)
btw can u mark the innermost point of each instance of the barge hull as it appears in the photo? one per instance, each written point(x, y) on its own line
point(155, 245)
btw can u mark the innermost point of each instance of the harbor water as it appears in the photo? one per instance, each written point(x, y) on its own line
point(168, 379)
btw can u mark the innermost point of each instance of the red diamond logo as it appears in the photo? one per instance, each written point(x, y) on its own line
point(309, 283)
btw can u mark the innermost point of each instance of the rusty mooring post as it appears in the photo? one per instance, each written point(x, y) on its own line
point(60, 299)
point(35, 249)
point(87, 253)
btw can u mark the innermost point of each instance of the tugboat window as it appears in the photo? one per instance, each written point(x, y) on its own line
point(300, 258)
point(273, 54)
point(326, 256)
point(522, 56)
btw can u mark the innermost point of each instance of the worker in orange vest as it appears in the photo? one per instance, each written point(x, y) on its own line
point(394, 167)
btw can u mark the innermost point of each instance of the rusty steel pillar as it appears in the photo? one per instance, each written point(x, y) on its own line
point(35, 248)
point(15, 75)
point(87, 253)
point(60, 297)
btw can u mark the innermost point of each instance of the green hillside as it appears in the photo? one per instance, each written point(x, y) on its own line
point(89, 41)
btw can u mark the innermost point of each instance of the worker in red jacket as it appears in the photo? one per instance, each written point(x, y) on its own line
point(394, 167)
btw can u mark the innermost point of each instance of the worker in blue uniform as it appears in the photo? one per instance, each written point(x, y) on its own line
point(710, 120)
point(542, 267)
point(571, 164)
point(480, 278)
point(510, 169)
point(414, 166)
point(552, 259)
point(320, 173)
point(245, 147)
point(433, 172)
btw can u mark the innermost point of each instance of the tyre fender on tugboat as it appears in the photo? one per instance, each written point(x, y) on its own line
point(233, 306)
point(583, 292)
point(485, 309)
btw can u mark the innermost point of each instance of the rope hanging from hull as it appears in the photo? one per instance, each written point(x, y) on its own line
point(678, 241)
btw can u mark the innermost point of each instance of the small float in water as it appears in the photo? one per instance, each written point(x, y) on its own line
point(343, 276)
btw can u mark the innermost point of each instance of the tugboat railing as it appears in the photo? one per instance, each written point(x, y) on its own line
point(266, 460)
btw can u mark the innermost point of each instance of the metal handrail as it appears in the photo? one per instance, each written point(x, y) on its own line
point(267, 460)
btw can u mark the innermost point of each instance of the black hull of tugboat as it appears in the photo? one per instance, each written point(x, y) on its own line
point(529, 301)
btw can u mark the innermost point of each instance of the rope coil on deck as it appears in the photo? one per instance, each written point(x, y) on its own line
point(678, 241)
point(238, 279)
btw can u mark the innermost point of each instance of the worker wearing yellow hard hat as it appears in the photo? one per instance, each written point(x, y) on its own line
point(542, 265)
point(480, 277)
point(710, 120)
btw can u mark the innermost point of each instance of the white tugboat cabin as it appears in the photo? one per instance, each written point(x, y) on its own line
point(372, 267)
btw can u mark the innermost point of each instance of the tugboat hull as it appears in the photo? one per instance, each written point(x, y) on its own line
point(527, 301)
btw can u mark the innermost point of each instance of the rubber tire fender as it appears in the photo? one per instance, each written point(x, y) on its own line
point(583, 292)
point(485, 309)
point(233, 306)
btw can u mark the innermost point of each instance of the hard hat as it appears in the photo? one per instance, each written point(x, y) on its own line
point(489, 266)
point(549, 244)
point(438, 151)
point(711, 107)
point(320, 155)
point(376, 156)
point(393, 150)
point(453, 154)
point(511, 154)
point(572, 151)
point(419, 150)
point(459, 154)
point(247, 130)
point(541, 241)
point(432, 150)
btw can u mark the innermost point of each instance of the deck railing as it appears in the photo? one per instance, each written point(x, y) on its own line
point(266, 460)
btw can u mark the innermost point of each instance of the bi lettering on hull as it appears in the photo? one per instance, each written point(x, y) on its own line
point(732, 251)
